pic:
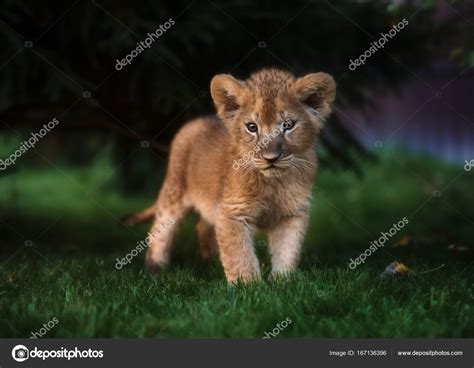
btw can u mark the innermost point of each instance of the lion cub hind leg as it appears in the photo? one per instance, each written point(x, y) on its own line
point(207, 239)
point(170, 212)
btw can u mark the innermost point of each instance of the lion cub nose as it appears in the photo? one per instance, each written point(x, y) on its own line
point(271, 157)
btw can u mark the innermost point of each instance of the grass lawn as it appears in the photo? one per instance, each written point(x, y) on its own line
point(60, 238)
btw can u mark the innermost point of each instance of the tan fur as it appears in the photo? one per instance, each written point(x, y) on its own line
point(234, 203)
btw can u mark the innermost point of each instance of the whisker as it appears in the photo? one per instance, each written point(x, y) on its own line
point(297, 167)
point(302, 166)
point(299, 159)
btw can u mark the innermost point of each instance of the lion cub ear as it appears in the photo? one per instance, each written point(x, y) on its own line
point(317, 91)
point(226, 91)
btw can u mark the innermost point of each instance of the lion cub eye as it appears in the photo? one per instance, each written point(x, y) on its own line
point(252, 127)
point(288, 125)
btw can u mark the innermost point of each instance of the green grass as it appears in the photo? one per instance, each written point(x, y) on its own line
point(71, 216)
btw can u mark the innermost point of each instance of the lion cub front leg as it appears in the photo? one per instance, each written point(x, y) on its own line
point(235, 240)
point(285, 242)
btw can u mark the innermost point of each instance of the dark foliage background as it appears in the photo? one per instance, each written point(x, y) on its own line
point(75, 45)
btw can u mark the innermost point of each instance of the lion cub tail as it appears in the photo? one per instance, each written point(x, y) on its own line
point(143, 216)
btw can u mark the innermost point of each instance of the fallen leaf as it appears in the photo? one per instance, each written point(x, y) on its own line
point(395, 270)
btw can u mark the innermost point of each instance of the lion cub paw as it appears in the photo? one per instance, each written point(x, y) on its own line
point(153, 266)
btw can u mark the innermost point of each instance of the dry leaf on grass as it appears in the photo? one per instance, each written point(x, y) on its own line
point(395, 270)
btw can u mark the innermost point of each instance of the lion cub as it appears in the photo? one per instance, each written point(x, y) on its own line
point(251, 167)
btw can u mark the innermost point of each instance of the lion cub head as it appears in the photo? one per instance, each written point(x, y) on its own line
point(273, 117)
